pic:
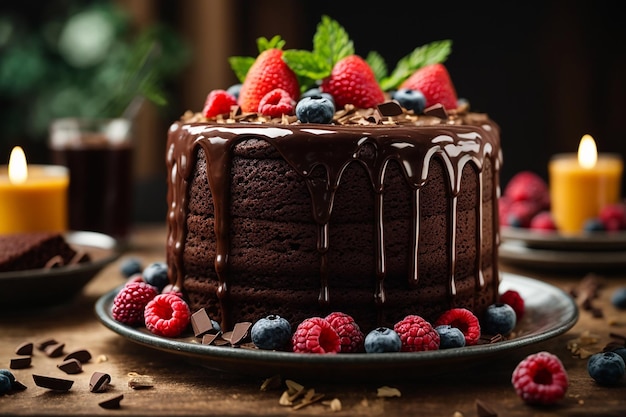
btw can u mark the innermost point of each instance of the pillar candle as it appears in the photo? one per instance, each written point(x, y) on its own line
point(581, 184)
point(32, 197)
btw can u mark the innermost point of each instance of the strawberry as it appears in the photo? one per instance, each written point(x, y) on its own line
point(218, 102)
point(352, 81)
point(434, 82)
point(267, 73)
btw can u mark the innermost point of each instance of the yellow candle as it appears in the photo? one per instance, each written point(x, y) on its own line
point(32, 197)
point(580, 185)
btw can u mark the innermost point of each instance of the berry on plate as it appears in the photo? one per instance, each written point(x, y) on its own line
point(450, 337)
point(606, 368)
point(613, 217)
point(540, 379)
point(130, 266)
point(167, 315)
point(528, 186)
point(499, 318)
point(416, 334)
point(543, 221)
point(315, 335)
point(464, 320)
point(271, 333)
point(349, 332)
point(381, 340)
point(129, 303)
point(155, 274)
point(515, 300)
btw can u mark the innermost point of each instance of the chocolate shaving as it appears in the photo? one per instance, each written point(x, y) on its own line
point(56, 384)
point(485, 410)
point(81, 355)
point(112, 403)
point(71, 366)
point(80, 257)
point(240, 333)
point(54, 350)
point(390, 109)
point(54, 262)
point(209, 339)
point(99, 382)
point(41, 345)
point(202, 323)
point(436, 110)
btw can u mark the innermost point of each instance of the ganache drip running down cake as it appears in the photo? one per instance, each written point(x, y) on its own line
point(385, 210)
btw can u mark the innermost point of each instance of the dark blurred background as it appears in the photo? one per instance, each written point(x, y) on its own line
point(546, 72)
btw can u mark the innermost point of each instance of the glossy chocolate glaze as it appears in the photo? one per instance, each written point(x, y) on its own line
point(457, 140)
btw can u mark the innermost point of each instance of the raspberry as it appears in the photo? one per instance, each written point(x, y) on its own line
point(504, 206)
point(465, 321)
point(416, 334)
point(542, 221)
point(276, 103)
point(528, 186)
point(130, 302)
point(515, 300)
point(167, 315)
point(218, 102)
point(520, 213)
point(350, 335)
point(315, 335)
point(540, 379)
point(613, 217)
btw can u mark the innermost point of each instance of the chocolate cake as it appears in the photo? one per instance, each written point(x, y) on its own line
point(22, 251)
point(377, 221)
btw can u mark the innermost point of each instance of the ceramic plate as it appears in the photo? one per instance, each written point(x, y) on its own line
point(549, 312)
point(516, 252)
point(44, 287)
point(588, 241)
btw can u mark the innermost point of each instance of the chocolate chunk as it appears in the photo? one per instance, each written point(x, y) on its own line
point(208, 339)
point(43, 344)
point(49, 382)
point(18, 386)
point(20, 363)
point(240, 333)
point(25, 348)
point(112, 403)
point(54, 350)
point(390, 109)
point(436, 110)
point(99, 382)
point(82, 356)
point(202, 324)
point(71, 366)
point(485, 410)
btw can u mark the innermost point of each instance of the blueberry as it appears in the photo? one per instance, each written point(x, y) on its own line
point(450, 337)
point(130, 267)
point(382, 339)
point(234, 90)
point(593, 225)
point(620, 351)
point(618, 299)
point(315, 109)
point(317, 92)
point(410, 99)
point(155, 274)
point(499, 319)
point(271, 333)
point(5, 384)
point(8, 374)
point(606, 368)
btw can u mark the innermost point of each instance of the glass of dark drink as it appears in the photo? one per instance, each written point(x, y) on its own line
point(99, 155)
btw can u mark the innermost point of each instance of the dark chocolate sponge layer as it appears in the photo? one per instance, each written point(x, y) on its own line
point(274, 262)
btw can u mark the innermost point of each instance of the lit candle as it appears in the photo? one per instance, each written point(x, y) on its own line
point(32, 197)
point(580, 185)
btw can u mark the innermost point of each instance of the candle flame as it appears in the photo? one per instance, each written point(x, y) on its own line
point(18, 169)
point(587, 152)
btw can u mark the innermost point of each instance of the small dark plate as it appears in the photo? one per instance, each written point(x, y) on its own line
point(585, 241)
point(45, 287)
point(549, 313)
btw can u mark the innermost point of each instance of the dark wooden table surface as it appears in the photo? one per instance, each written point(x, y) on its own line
point(182, 388)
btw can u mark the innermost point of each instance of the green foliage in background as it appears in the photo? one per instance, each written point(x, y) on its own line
point(84, 59)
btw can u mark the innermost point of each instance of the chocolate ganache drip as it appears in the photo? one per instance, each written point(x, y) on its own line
point(457, 142)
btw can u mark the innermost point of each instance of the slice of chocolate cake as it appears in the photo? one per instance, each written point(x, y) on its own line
point(25, 251)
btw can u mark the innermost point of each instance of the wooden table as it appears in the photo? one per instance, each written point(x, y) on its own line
point(182, 388)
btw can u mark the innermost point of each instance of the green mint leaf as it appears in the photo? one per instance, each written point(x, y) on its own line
point(331, 41)
point(378, 65)
point(240, 66)
point(432, 53)
point(308, 67)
